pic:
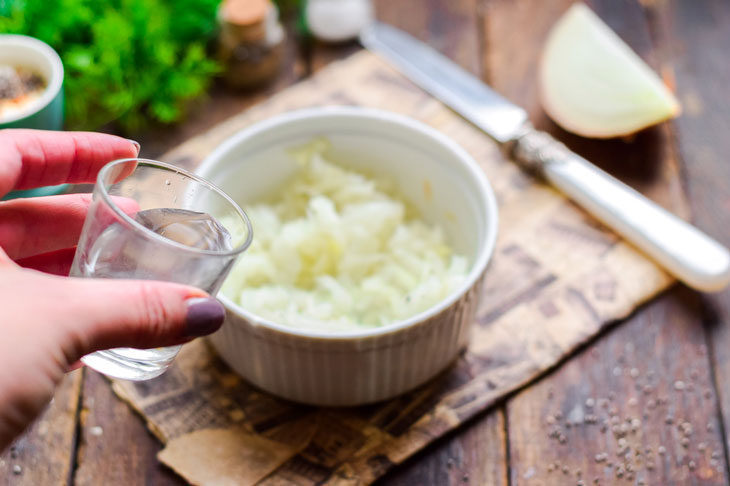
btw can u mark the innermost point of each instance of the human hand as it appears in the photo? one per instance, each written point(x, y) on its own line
point(49, 321)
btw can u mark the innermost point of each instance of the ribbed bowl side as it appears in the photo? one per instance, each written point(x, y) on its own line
point(346, 371)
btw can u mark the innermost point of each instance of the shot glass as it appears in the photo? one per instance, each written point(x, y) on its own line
point(153, 221)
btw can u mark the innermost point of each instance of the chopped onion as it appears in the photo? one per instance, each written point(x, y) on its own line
point(336, 250)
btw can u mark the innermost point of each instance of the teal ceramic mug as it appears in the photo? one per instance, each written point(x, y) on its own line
point(46, 112)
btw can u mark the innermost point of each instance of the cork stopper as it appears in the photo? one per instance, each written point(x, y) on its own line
point(245, 12)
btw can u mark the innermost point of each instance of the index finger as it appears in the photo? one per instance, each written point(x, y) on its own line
point(34, 158)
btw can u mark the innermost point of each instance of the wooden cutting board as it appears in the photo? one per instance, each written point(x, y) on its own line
point(557, 278)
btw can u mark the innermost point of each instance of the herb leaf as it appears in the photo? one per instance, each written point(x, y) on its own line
point(126, 61)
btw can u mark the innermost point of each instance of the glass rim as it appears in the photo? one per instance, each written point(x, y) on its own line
point(101, 185)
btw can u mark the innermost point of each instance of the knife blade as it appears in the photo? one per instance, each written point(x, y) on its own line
point(683, 250)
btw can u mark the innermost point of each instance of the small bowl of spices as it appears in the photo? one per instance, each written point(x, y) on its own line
point(31, 77)
point(31, 95)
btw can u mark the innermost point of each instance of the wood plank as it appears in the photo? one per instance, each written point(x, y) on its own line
point(44, 454)
point(640, 406)
point(125, 452)
point(696, 36)
point(475, 454)
point(114, 444)
point(452, 27)
point(638, 365)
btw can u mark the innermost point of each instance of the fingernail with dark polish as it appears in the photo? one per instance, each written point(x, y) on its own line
point(136, 144)
point(204, 316)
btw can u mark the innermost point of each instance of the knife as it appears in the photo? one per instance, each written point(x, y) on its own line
point(683, 250)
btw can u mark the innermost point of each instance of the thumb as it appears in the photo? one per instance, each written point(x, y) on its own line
point(108, 314)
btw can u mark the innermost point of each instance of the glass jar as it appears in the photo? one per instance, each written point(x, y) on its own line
point(250, 43)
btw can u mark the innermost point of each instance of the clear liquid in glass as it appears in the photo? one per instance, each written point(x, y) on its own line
point(120, 253)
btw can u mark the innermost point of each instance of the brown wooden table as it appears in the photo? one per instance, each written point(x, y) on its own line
point(678, 342)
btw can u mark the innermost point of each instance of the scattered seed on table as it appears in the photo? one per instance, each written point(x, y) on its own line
point(669, 420)
point(692, 465)
point(590, 402)
point(686, 428)
point(679, 385)
point(715, 454)
point(701, 446)
point(684, 442)
point(650, 465)
point(550, 420)
point(617, 371)
point(708, 393)
point(465, 478)
point(633, 402)
point(559, 416)
point(648, 389)
point(661, 450)
point(566, 470)
point(17, 469)
point(709, 427)
point(634, 373)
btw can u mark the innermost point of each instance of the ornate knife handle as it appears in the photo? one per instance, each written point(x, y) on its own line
point(683, 250)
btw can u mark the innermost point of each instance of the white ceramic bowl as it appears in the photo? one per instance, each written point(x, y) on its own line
point(360, 366)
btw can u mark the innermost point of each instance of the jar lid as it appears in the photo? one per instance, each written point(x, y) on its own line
point(245, 12)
